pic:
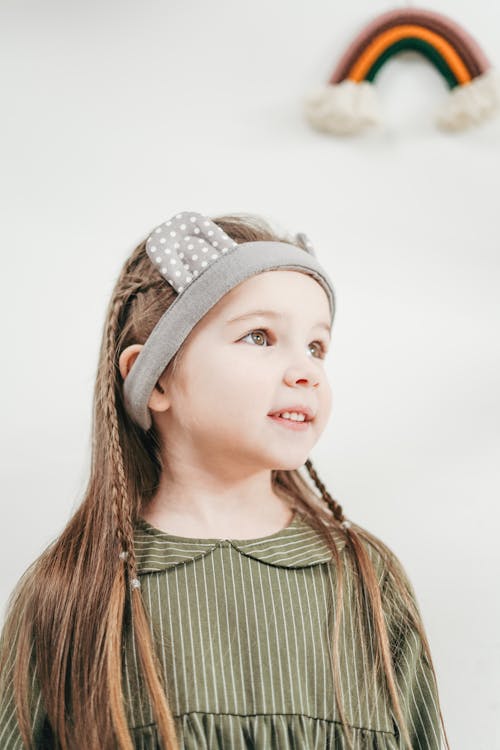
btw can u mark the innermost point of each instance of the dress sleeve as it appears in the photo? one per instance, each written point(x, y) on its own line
point(416, 683)
point(10, 733)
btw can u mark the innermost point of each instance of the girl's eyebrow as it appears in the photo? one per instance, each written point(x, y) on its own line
point(273, 314)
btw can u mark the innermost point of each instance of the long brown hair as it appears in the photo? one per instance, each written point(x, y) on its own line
point(69, 611)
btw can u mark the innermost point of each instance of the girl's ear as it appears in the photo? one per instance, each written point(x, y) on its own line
point(158, 401)
point(127, 358)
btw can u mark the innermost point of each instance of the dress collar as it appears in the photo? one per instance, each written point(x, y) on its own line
point(296, 546)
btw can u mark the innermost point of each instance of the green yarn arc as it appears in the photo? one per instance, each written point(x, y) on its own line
point(418, 45)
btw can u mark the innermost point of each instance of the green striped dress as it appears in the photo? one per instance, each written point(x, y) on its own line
point(243, 631)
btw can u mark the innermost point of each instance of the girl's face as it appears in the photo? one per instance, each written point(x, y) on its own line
point(233, 373)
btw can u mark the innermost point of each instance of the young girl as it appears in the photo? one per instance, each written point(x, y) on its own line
point(207, 593)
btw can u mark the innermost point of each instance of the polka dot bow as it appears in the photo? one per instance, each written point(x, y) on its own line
point(183, 247)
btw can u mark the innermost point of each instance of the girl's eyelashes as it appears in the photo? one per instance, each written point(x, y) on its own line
point(323, 349)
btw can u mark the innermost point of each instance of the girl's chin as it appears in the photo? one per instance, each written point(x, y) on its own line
point(289, 460)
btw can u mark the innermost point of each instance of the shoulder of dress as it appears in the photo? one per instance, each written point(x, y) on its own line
point(398, 597)
point(381, 556)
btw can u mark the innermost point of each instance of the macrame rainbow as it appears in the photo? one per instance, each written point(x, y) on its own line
point(348, 103)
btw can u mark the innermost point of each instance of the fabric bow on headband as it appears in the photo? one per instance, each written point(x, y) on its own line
point(202, 263)
point(187, 244)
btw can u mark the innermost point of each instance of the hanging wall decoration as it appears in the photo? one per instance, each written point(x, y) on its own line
point(349, 104)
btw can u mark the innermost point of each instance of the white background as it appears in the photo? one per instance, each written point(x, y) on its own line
point(117, 115)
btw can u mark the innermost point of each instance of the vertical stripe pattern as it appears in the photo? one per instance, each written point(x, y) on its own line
point(243, 631)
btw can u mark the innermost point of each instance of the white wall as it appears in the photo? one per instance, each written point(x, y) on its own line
point(117, 115)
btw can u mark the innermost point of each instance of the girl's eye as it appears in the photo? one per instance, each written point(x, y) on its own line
point(320, 345)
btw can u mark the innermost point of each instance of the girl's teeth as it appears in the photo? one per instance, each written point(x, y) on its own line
point(293, 415)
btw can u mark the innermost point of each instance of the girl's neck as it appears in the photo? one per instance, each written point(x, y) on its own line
point(247, 520)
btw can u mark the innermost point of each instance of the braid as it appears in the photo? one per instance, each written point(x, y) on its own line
point(121, 506)
point(132, 278)
point(130, 284)
point(334, 506)
point(119, 493)
point(135, 285)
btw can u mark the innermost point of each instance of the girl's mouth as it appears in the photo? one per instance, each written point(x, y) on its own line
point(290, 423)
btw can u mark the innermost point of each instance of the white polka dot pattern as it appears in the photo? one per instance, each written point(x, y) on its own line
point(185, 246)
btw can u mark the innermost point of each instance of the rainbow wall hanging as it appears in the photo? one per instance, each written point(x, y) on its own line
point(349, 104)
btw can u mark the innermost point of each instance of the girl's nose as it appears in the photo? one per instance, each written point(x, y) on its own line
point(306, 375)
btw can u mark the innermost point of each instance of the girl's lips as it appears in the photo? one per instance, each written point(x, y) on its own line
point(290, 423)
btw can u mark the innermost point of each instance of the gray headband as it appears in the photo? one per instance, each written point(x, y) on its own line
point(202, 263)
